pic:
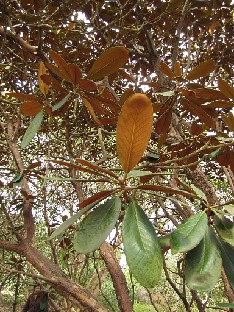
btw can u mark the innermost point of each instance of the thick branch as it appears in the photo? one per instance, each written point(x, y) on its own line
point(117, 276)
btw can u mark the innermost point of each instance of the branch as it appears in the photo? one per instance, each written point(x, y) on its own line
point(117, 276)
point(23, 44)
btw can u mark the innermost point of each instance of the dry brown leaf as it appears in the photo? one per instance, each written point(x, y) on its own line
point(133, 130)
point(202, 70)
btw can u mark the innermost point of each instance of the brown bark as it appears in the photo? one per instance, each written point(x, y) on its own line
point(117, 276)
point(55, 276)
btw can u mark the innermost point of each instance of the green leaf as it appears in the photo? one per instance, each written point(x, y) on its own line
point(189, 233)
point(95, 228)
point(225, 228)
point(199, 193)
point(165, 241)
point(203, 264)
point(141, 246)
point(225, 305)
point(138, 173)
point(229, 209)
point(71, 220)
point(32, 129)
point(227, 253)
point(61, 103)
point(215, 153)
point(44, 302)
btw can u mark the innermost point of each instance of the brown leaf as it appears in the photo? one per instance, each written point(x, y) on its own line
point(23, 97)
point(199, 111)
point(133, 130)
point(30, 108)
point(55, 70)
point(64, 67)
point(178, 69)
point(51, 81)
point(98, 196)
point(226, 89)
point(165, 69)
point(42, 85)
point(164, 117)
point(219, 104)
point(210, 94)
point(87, 85)
point(91, 110)
point(196, 128)
point(202, 70)
point(101, 170)
point(127, 93)
point(229, 120)
point(108, 62)
point(74, 72)
point(76, 167)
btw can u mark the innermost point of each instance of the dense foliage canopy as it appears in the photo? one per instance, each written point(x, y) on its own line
point(117, 136)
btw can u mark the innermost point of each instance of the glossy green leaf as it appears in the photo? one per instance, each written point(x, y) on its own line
point(203, 264)
point(224, 305)
point(227, 253)
point(189, 233)
point(198, 192)
point(165, 241)
point(225, 228)
point(32, 129)
point(141, 246)
point(95, 228)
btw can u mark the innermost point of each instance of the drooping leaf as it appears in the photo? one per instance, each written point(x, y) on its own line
point(30, 108)
point(97, 168)
point(72, 220)
point(199, 111)
point(203, 264)
point(202, 70)
point(32, 129)
point(227, 253)
point(189, 233)
point(224, 305)
point(95, 228)
point(225, 228)
point(141, 246)
point(108, 62)
point(91, 111)
point(177, 69)
point(61, 103)
point(165, 69)
point(226, 89)
point(164, 118)
point(62, 65)
point(42, 85)
point(133, 130)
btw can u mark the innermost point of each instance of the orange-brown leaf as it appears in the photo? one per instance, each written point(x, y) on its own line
point(91, 111)
point(164, 118)
point(220, 104)
point(108, 62)
point(75, 73)
point(177, 69)
point(42, 85)
point(23, 97)
point(199, 111)
point(30, 108)
point(133, 130)
point(229, 120)
point(226, 89)
point(62, 65)
point(207, 93)
point(58, 72)
point(165, 69)
point(101, 170)
point(87, 85)
point(96, 197)
point(202, 70)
